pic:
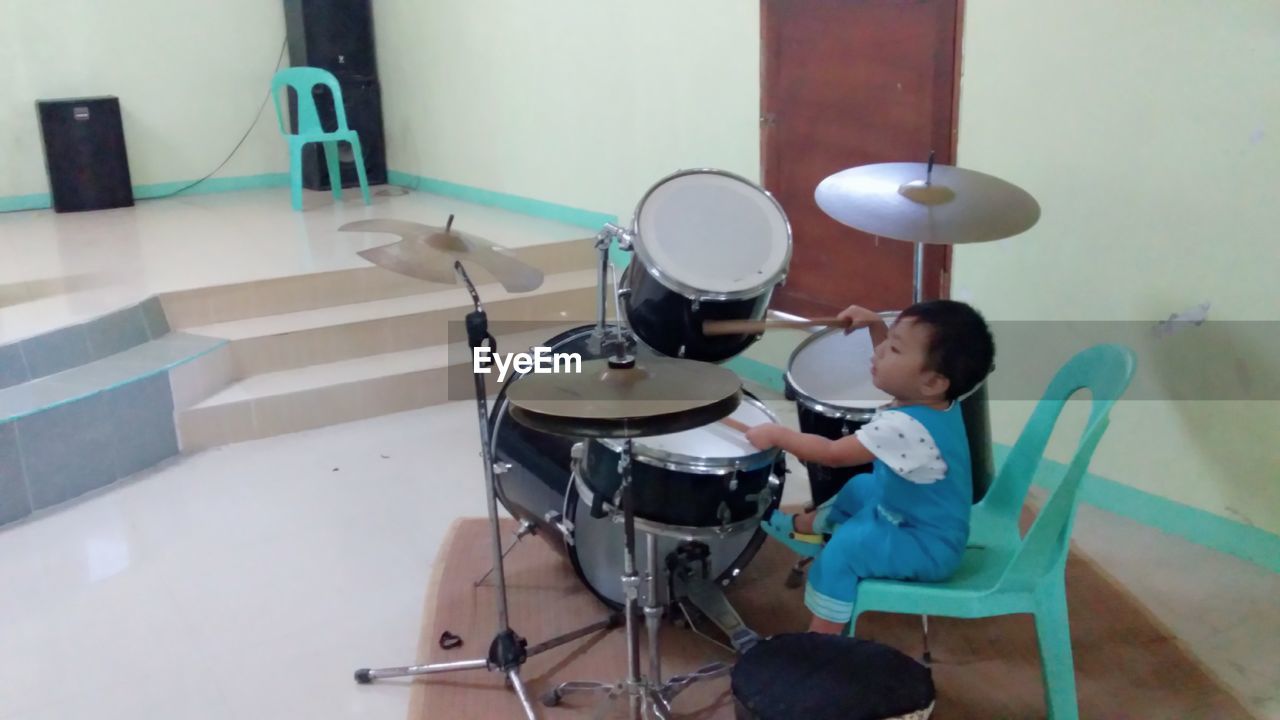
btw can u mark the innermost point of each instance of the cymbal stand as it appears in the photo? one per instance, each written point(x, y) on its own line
point(508, 651)
point(917, 287)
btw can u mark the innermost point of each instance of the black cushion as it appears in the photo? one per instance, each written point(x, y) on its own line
point(828, 677)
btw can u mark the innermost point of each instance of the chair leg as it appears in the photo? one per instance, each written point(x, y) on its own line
point(335, 173)
point(1054, 634)
point(924, 634)
point(359, 156)
point(295, 175)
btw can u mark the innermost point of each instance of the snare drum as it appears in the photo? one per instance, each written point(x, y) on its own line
point(829, 377)
point(707, 477)
point(708, 245)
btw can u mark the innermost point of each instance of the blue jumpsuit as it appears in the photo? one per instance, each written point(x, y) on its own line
point(884, 525)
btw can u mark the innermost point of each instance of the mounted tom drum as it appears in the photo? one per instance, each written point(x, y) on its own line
point(709, 245)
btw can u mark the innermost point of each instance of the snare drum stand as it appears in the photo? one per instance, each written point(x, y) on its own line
point(649, 693)
point(508, 651)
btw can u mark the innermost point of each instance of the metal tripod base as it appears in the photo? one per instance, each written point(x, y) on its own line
point(365, 676)
point(651, 698)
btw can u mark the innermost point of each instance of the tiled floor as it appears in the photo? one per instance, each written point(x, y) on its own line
point(249, 581)
point(108, 259)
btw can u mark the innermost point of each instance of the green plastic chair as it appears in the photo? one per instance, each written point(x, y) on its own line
point(303, 80)
point(1003, 573)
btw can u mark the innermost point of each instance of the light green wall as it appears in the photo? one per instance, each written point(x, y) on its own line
point(585, 103)
point(1148, 132)
point(189, 75)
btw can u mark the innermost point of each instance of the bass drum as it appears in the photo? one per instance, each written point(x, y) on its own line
point(535, 483)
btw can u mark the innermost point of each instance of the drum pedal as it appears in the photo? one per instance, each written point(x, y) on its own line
point(680, 560)
point(709, 599)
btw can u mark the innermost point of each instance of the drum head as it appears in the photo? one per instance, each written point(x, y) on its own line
point(709, 445)
point(709, 234)
point(834, 370)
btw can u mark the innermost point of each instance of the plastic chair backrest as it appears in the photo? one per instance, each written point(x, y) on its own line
point(303, 80)
point(1103, 370)
point(1048, 540)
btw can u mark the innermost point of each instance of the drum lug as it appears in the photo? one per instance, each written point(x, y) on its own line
point(723, 513)
point(557, 521)
point(680, 352)
point(696, 304)
point(733, 484)
point(577, 450)
point(501, 468)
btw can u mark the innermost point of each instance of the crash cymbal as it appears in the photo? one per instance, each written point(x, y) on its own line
point(428, 253)
point(945, 206)
point(654, 396)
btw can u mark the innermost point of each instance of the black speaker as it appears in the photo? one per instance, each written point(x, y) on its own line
point(363, 104)
point(84, 153)
point(334, 35)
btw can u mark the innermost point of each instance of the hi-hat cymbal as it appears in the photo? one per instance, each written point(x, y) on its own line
point(654, 396)
point(948, 206)
point(428, 253)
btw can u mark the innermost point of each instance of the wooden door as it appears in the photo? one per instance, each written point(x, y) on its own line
point(848, 83)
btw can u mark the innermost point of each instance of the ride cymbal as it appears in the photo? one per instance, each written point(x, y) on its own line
point(926, 203)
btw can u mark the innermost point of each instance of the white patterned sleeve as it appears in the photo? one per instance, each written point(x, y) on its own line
point(903, 444)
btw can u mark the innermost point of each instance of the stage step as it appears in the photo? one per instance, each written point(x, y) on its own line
point(327, 348)
point(295, 340)
point(323, 394)
point(275, 296)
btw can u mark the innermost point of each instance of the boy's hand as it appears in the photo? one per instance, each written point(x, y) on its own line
point(763, 437)
point(857, 317)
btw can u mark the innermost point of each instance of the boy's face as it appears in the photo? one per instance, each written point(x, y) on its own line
point(898, 365)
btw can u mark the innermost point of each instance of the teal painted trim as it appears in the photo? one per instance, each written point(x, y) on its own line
point(13, 203)
point(76, 396)
point(1199, 526)
point(40, 201)
point(757, 372)
point(515, 203)
point(213, 185)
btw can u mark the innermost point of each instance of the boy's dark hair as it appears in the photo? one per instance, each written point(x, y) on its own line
point(961, 348)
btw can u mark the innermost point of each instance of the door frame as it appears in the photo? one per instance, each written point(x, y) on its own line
point(935, 256)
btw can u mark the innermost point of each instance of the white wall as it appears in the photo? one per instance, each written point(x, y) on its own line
point(190, 76)
point(584, 103)
point(1148, 132)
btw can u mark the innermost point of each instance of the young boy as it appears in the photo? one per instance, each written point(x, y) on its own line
point(909, 518)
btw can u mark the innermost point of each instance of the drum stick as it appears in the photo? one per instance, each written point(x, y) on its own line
point(748, 327)
point(739, 426)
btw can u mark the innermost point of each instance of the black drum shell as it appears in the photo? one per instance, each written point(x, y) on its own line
point(824, 481)
point(668, 322)
point(676, 497)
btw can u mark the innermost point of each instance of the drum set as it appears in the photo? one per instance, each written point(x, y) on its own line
point(638, 460)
